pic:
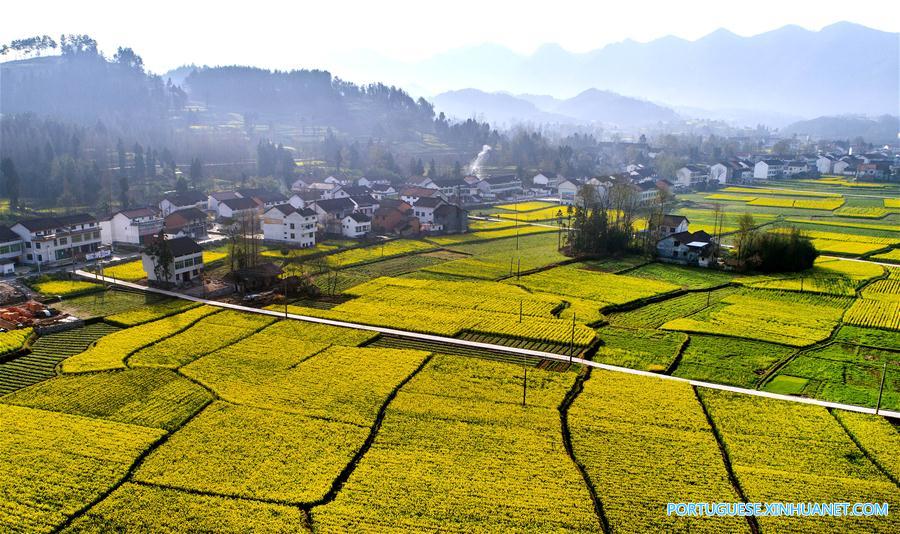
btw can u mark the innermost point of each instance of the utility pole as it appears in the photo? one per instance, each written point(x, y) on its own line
point(881, 389)
point(520, 310)
point(519, 268)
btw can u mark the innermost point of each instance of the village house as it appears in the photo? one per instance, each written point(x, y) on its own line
point(731, 171)
point(330, 213)
point(422, 181)
point(189, 222)
point(130, 227)
point(568, 190)
point(795, 167)
point(691, 176)
point(186, 264)
point(382, 190)
point(356, 225)
point(395, 216)
point(55, 240)
point(451, 218)
point(540, 180)
point(180, 201)
point(347, 191)
point(411, 195)
point(673, 224)
point(687, 248)
point(268, 199)
point(365, 204)
point(454, 188)
point(501, 186)
point(825, 164)
point(768, 169)
point(286, 224)
point(10, 249)
point(213, 199)
point(424, 210)
point(236, 208)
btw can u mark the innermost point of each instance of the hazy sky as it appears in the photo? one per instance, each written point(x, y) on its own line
point(323, 34)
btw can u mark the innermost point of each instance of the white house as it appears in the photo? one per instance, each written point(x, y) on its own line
point(52, 240)
point(287, 224)
point(190, 223)
point(332, 180)
point(235, 208)
point(793, 168)
point(673, 224)
point(568, 190)
point(424, 209)
point(411, 195)
point(356, 225)
point(505, 185)
point(331, 212)
point(768, 169)
point(10, 249)
point(691, 175)
point(347, 191)
point(540, 180)
point(187, 262)
point(364, 182)
point(130, 227)
point(825, 164)
point(686, 248)
point(213, 199)
point(181, 201)
point(381, 191)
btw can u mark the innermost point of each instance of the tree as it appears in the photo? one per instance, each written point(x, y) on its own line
point(123, 191)
point(181, 185)
point(162, 257)
point(140, 171)
point(196, 172)
point(123, 160)
point(127, 58)
point(744, 234)
point(772, 252)
point(10, 181)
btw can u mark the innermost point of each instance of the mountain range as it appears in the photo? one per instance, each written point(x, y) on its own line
point(842, 68)
point(590, 106)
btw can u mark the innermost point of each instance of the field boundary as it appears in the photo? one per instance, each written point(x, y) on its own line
point(520, 352)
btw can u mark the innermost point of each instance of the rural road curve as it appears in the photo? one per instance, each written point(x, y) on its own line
point(486, 346)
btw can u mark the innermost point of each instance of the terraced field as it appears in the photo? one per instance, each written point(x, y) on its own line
point(46, 353)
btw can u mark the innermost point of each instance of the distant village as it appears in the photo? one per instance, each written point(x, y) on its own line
point(360, 208)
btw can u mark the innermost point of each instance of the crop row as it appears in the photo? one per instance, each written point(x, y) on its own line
point(892, 203)
point(492, 234)
point(46, 353)
point(533, 205)
point(877, 436)
point(110, 352)
point(376, 252)
point(643, 349)
point(874, 313)
point(545, 214)
point(844, 224)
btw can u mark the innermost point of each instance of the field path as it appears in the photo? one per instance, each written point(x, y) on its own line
point(487, 346)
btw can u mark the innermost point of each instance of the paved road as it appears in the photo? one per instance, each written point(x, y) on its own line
point(486, 346)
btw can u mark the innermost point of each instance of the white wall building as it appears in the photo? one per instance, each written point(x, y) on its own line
point(187, 262)
point(356, 225)
point(55, 240)
point(287, 224)
point(768, 169)
point(130, 227)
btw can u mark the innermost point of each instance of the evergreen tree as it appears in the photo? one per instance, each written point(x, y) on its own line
point(10, 181)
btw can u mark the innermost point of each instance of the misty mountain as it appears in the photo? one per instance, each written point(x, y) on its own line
point(877, 130)
point(591, 106)
point(843, 68)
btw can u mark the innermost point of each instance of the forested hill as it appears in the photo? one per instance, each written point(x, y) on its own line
point(82, 86)
point(312, 97)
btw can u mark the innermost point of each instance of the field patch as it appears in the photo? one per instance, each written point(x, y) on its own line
point(788, 452)
point(140, 508)
point(54, 464)
point(795, 319)
point(626, 428)
point(642, 349)
point(146, 397)
point(732, 361)
point(498, 466)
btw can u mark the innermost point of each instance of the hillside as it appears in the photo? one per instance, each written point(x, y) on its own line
point(881, 129)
